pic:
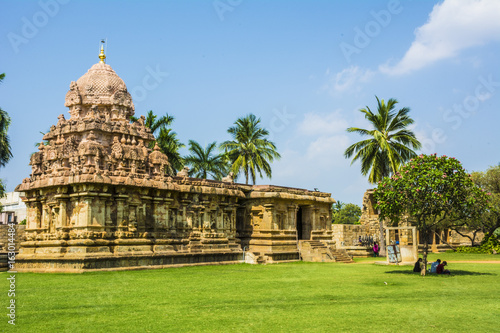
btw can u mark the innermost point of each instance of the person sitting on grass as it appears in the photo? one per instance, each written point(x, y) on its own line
point(416, 268)
point(434, 266)
point(440, 269)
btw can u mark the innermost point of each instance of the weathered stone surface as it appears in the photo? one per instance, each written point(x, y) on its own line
point(98, 198)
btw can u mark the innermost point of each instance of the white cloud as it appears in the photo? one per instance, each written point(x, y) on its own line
point(453, 25)
point(316, 124)
point(348, 79)
point(328, 150)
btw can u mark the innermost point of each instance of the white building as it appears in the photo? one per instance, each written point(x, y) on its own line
point(14, 209)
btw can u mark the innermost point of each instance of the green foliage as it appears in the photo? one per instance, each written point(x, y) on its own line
point(250, 152)
point(345, 213)
point(390, 142)
point(489, 181)
point(165, 137)
point(489, 245)
point(206, 162)
point(5, 149)
point(2, 193)
point(23, 222)
point(433, 191)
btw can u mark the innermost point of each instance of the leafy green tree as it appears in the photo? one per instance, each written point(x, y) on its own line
point(205, 162)
point(389, 144)
point(5, 150)
point(431, 190)
point(250, 152)
point(489, 181)
point(165, 137)
point(347, 214)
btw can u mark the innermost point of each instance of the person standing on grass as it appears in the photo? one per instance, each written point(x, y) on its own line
point(375, 249)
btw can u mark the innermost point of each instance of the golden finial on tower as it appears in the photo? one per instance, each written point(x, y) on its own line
point(102, 56)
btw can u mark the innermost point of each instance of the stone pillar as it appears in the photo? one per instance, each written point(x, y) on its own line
point(269, 217)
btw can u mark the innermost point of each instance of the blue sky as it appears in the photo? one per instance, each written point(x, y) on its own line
point(304, 67)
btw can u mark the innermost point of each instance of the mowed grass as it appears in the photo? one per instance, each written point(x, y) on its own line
point(297, 297)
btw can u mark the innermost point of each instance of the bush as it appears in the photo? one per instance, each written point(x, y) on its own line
point(488, 245)
point(23, 222)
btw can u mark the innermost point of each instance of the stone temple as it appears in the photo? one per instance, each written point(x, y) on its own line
point(99, 199)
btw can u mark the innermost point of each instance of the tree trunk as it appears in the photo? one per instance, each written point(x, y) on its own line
point(426, 248)
point(382, 251)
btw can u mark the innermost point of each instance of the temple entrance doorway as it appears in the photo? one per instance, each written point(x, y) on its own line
point(299, 223)
point(304, 223)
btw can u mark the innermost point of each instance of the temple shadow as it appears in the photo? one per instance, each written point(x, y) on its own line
point(453, 273)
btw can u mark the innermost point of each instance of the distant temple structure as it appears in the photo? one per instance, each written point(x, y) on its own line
point(98, 198)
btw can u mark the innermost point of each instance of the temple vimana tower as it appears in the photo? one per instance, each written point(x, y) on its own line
point(98, 198)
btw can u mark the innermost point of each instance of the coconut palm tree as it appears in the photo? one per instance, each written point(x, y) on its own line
point(165, 137)
point(5, 150)
point(389, 144)
point(155, 123)
point(388, 147)
point(250, 152)
point(170, 145)
point(205, 162)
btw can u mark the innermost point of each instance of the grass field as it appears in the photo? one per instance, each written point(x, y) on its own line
point(297, 297)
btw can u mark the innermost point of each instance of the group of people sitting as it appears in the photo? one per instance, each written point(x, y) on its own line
point(436, 267)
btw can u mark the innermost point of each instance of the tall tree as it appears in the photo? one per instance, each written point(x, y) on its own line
point(165, 137)
point(489, 181)
point(205, 162)
point(5, 150)
point(250, 152)
point(390, 143)
point(431, 192)
point(346, 213)
point(170, 145)
point(388, 147)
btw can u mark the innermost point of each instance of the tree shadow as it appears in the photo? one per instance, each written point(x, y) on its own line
point(453, 273)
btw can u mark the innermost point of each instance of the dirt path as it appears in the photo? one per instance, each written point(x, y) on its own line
point(474, 261)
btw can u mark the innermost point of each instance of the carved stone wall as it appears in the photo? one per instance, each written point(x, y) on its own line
point(99, 198)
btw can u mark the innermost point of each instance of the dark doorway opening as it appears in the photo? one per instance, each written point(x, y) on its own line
point(299, 223)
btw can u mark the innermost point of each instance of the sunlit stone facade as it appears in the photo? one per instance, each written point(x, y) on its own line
point(98, 198)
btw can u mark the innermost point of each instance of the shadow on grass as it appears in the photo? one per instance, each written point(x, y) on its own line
point(454, 272)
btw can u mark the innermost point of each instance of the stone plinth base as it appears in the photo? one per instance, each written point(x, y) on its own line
point(358, 251)
point(81, 264)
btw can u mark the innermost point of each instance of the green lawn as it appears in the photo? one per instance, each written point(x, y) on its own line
point(297, 297)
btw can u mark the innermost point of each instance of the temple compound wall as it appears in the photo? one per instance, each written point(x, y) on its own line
point(101, 196)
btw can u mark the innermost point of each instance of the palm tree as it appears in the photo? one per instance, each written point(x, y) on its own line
point(387, 148)
point(165, 137)
point(170, 145)
point(250, 151)
point(5, 150)
point(154, 123)
point(204, 162)
point(390, 143)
